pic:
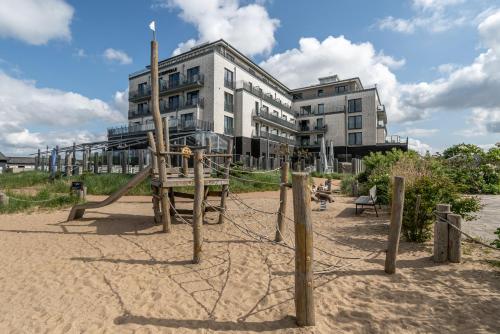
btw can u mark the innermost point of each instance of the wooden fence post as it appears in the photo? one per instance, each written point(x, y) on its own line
point(441, 233)
point(37, 161)
point(398, 199)
point(185, 166)
point(454, 236)
point(199, 187)
point(96, 162)
point(283, 200)
point(225, 188)
point(69, 164)
point(109, 161)
point(304, 298)
point(85, 164)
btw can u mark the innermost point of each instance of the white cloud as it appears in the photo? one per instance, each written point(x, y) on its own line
point(117, 55)
point(32, 116)
point(120, 101)
point(80, 53)
point(35, 21)
point(419, 146)
point(474, 86)
point(248, 27)
point(338, 55)
point(431, 15)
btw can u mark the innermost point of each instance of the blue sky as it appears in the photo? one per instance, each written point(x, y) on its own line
point(64, 64)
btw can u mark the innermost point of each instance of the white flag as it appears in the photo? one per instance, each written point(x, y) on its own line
point(152, 26)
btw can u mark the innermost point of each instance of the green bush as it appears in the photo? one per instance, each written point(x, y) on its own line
point(496, 242)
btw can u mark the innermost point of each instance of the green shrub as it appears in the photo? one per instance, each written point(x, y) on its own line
point(346, 184)
point(496, 242)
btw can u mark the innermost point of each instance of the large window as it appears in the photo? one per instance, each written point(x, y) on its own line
point(321, 92)
point(321, 109)
point(305, 110)
point(143, 88)
point(187, 120)
point(228, 125)
point(341, 89)
point(143, 108)
point(192, 98)
point(228, 78)
point(356, 138)
point(354, 105)
point(355, 122)
point(193, 74)
point(228, 102)
point(174, 80)
point(173, 102)
point(319, 123)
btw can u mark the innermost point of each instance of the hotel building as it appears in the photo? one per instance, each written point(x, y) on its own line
point(214, 87)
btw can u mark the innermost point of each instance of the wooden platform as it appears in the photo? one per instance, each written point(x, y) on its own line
point(173, 182)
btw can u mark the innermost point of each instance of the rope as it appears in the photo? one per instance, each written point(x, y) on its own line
point(246, 180)
point(36, 201)
point(462, 232)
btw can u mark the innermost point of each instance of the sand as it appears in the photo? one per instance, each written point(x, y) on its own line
point(114, 272)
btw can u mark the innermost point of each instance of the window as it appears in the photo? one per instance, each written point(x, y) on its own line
point(297, 96)
point(305, 110)
point(355, 138)
point(265, 109)
point(142, 108)
point(354, 105)
point(174, 79)
point(228, 79)
point(192, 98)
point(355, 122)
point(321, 109)
point(321, 92)
point(173, 102)
point(319, 123)
point(228, 102)
point(341, 89)
point(228, 125)
point(193, 74)
point(257, 110)
point(143, 88)
point(187, 120)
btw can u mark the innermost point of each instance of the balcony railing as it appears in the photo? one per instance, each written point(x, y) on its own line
point(395, 139)
point(316, 128)
point(229, 131)
point(309, 144)
point(265, 96)
point(175, 125)
point(316, 112)
point(265, 115)
point(274, 137)
point(167, 86)
point(229, 84)
point(194, 103)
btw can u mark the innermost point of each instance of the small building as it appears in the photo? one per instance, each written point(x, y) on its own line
point(16, 164)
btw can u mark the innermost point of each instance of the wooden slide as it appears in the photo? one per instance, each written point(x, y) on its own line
point(78, 210)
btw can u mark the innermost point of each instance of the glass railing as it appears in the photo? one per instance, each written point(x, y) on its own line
point(175, 125)
point(265, 96)
point(275, 119)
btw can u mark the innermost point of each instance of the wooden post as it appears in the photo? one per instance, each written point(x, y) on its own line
point(110, 161)
point(283, 200)
point(166, 129)
point(37, 163)
point(4, 199)
point(141, 159)
point(154, 174)
point(73, 160)
point(304, 297)
point(454, 239)
point(398, 199)
point(84, 159)
point(198, 206)
point(154, 158)
point(69, 164)
point(209, 149)
point(185, 166)
point(160, 143)
point(124, 162)
point(441, 234)
point(96, 162)
point(225, 188)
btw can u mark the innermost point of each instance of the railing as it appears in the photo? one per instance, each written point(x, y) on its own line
point(228, 107)
point(316, 112)
point(316, 128)
point(309, 144)
point(275, 119)
point(167, 86)
point(395, 139)
point(194, 103)
point(229, 84)
point(229, 131)
point(265, 96)
point(275, 137)
point(175, 125)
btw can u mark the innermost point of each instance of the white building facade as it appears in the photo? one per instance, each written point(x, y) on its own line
point(214, 87)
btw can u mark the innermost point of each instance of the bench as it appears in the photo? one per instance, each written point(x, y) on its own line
point(370, 200)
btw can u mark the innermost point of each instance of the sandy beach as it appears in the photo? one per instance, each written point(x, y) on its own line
point(115, 272)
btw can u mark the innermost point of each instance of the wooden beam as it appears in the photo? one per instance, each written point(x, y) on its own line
point(398, 198)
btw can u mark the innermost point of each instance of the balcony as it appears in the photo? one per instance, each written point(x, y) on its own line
point(314, 112)
point(266, 117)
point(264, 96)
point(274, 137)
point(175, 126)
point(167, 87)
point(171, 86)
point(189, 104)
point(229, 131)
point(395, 139)
point(310, 144)
point(229, 84)
point(315, 129)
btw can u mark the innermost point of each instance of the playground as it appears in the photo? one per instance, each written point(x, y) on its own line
point(114, 270)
